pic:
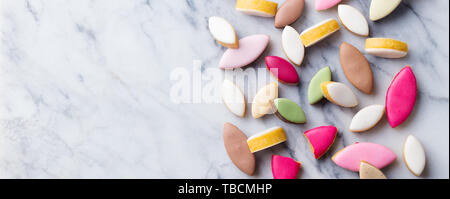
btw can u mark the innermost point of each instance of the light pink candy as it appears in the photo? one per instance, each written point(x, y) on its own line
point(401, 97)
point(250, 48)
point(375, 154)
point(325, 4)
point(321, 138)
point(284, 167)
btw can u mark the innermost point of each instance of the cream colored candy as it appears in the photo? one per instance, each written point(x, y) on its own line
point(367, 118)
point(261, 8)
point(353, 20)
point(414, 155)
point(223, 32)
point(233, 98)
point(339, 94)
point(292, 45)
point(262, 102)
point(382, 8)
point(386, 48)
point(368, 171)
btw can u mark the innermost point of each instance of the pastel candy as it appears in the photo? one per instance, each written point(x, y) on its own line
point(325, 4)
point(282, 70)
point(223, 32)
point(356, 68)
point(284, 167)
point(235, 142)
point(367, 118)
point(382, 8)
point(319, 32)
point(289, 12)
point(375, 154)
point(368, 171)
point(266, 139)
point(292, 45)
point(250, 48)
point(353, 20)
point(401, 97)
point(261, 104)
point(261, 8)
point(233, 98)
point(314, 89)
point(339, 94)
point(320, 139)
point(386, 48)
point(414, 155)
point(288, 111)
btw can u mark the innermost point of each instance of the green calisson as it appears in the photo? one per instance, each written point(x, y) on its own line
point(314, 90)
point(288, 111)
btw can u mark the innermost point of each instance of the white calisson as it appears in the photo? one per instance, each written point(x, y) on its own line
point(339, 94)
point(233, 98)
point(223, 32)
point(414, 155)
point(292, 45)
point(353, 20)
point(367, 118)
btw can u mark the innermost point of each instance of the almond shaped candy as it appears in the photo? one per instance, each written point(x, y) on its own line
point(233, 98)
point(289, 111)
point(401, 97)
point(261, 104)
point(320, 139)
point(367, 118)
point(386, 48)
point(235, 142)
point(223, 32)
point(266, 139)
point(292, 45)
point(284, 167)
point(382, 8)
point(414, 155)
point(353, 20)
point(351, 156)
point(250, 48)
point(289, 12)
point(319, 32)
point(282, 70)
point(314, 89)
point(339, 94)
point(325, 4)
point(356, 68)
point(261, 8)
point(368, 171)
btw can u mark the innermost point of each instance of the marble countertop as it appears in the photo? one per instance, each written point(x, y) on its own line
point(86, 89)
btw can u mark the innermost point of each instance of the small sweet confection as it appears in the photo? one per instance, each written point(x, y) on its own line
point(382, 8)
point(292, 45)
point(401, 97)
point(289, 12)
point(375, 154)
point(353, 20)
point(288, 111)
point(284, 167)
point(261, 8)
point(386, 48)
point(266, 139)
point(250, 48)
point(314, 89)
point(319, 32)
point(262, 102)
point(368, 171)
point(223, 32)
point(320, 139)
point(235, 142)
point(356, 68)
point(367, 118)
point(233, 98)
point(339, 94)
point(414, 155)
point(325, 4)
point(282, 70)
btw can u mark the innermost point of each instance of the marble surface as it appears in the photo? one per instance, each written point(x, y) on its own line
point(85, 89)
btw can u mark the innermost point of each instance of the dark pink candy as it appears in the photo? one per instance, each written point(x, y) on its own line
point(282, 69)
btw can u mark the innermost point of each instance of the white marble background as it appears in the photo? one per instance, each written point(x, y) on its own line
point(84, 89)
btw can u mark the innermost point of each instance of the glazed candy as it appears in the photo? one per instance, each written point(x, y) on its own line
point(339, 94)
point(282, 70)
point(320, 139)
point(353, 20)
point(262, 102)
point(292, 45)
point(414, 155)
point(368, 171)
point(223, 32)
point(319, 32)
point(382, 8)
point(367, 118)
point(235, 142)
point(314, 89)
point(284, 167)
point(250, 48)
point(401, 97)
point(356, 68)
point(266, 139)
point(325, 4)
point(233, 98)
point(386, 48)
point(288, 111)
point(261, 8)
point(289, 12)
